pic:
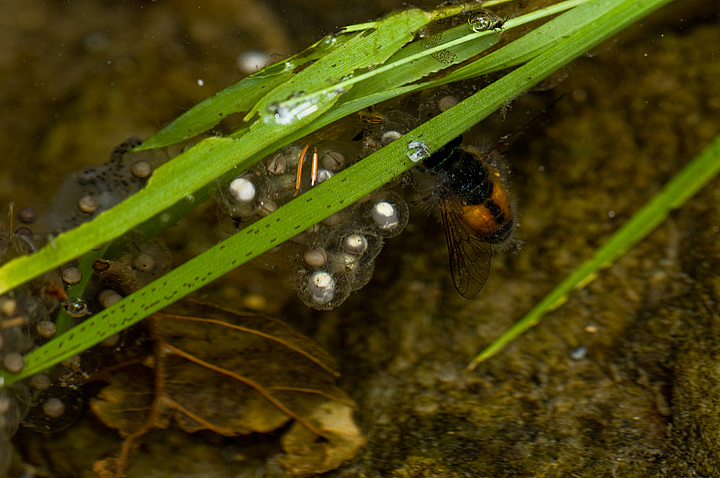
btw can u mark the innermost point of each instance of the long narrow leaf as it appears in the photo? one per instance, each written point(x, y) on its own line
point(693, 177)
point(333, 194)
point(192, 171)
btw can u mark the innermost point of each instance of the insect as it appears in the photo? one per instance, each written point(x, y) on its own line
point(475, 207)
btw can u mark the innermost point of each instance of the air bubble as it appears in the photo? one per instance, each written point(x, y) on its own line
point(321, 286)
point(484, 21)
point(419, 151)
point(76, 307)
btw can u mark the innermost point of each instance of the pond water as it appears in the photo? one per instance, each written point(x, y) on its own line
point(620, 381)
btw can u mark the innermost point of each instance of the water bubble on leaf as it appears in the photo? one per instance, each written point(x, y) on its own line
point(293, 109)
point(484, 21)
point(418, 151)
point(76, 307)
point(327, 42)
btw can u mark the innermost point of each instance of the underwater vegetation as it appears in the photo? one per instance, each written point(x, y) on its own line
point(417, 410)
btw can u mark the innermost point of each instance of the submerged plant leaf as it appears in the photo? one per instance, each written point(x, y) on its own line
point(234, 374)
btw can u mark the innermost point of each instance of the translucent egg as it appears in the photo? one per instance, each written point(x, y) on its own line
point(447, 102)
point(355, 244)
point(53, 407)
point(252, 60)
point(71, 275)
point(315, 256)
point(242, 190)
point(46, 329)
point(321, 286)
point(323, 175)
point(141, 169)
point(88, 204)
point(389, 136)
point(385, 216)
point(144, 262)
point(333, 160)
point(13, 362)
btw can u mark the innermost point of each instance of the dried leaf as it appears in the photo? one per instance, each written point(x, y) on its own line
point(307, 456)
point(234, 374)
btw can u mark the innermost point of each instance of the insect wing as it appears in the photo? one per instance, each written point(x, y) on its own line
point(469, 254)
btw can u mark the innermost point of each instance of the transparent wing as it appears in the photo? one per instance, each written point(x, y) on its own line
point(469, 254)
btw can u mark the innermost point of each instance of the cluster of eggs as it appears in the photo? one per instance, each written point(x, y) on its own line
point(334, 257)
point(52, 400)
point(86, 193)
point(327, 261)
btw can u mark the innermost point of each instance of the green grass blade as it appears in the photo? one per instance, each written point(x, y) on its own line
point(239, 98)
point(693, 177)
point(323, 200)
point(192, 171)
